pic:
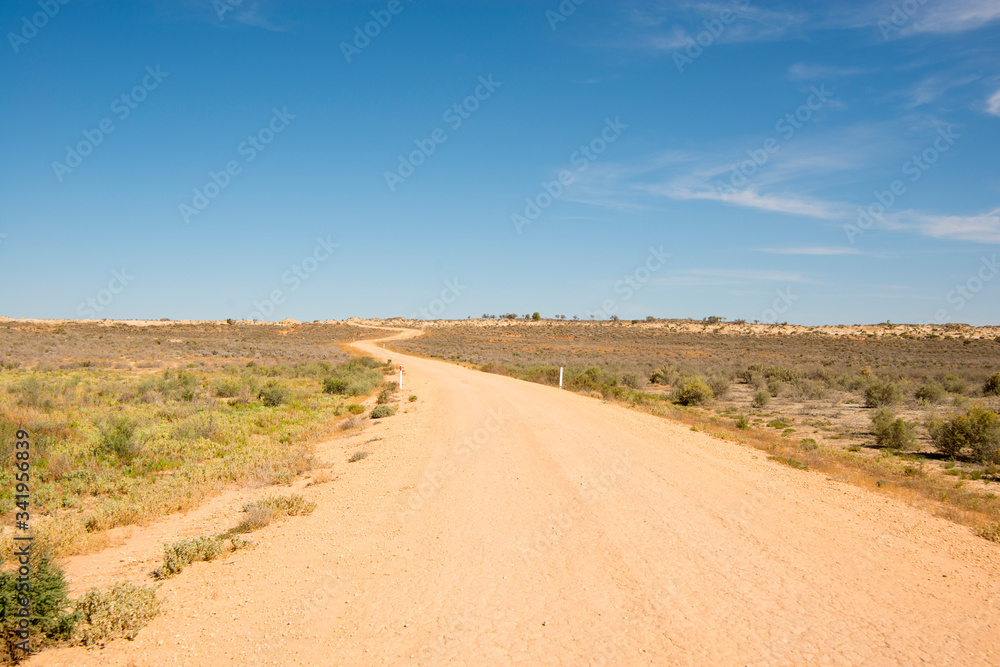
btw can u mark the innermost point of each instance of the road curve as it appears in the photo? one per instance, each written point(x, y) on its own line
point(500, 522)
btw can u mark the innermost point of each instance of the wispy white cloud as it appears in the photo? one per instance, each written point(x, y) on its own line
point(932, 88)
point(672, 25)
point(982, 228)
point(749, 198)
point(253, 14)
point(815, 250)
point(993, 104)
point(951, 16)
point(807, 72)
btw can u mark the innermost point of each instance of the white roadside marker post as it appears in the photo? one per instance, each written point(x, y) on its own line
point(401, 377)
point(560, 377)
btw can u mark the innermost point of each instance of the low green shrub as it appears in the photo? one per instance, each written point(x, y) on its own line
point(891, 432)
point(273, 394)
point(381, 411)
point(992, 385)
point(930, 392)
point(179, 555)
point(975, 432)
point(761, 399)
point(881, 394)
point(120, 612)
point(693, 391)
point(51, 617)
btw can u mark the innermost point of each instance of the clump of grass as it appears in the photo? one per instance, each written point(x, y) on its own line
point(355, 409)
point(263, 512)
point(51, 616)
point(761, 399)
point(891, 432)
point(719, 386)
point(380, 411)
point(990, 532)
point(413, 398)
point(273, 394)
point(226, 387)
point(385, 395)
point(930, 392)
point(357, 456)
point(693, 391)
point(992, 385)
point(777, 423)
point(179, 555)
point(293, 505)
point(120, 438)
point(668, 375)
point(355, 378)
point(881, 394)
point(975, 432)
point(742, 422)
point(120, 612)
point(789, 462)
point(955, 384)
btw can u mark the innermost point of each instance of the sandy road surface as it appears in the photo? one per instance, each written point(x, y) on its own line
point(500, 522)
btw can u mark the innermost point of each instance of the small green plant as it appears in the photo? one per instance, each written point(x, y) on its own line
point(665, 375)
point(179, 555)
point(930, 392)
point(227, 387)
point(357, 456)
point(273, 394)
point(789, 462)
point(761, 399)
point(120, 437)
point(990, 532)
point(293, 505)
point(891, 432)
point(975, 432)
point(742, 422)
point(355, 409)
point(719, 386)
point(881, 394)
point(381, 411)
point(120, 612)
point(777, 423)
point(808, 444)
point(51, 616)
point(992, 385)
point(693, 391)
point(955, 384)
point(413, 398)
point(385, 395)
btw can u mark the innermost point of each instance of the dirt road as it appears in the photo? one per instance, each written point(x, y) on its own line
point(499, 522)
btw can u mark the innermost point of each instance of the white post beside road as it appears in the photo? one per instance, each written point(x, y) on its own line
point(560, 377)
point(401, 377)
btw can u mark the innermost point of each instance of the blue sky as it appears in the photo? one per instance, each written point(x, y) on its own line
point(203, 160)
